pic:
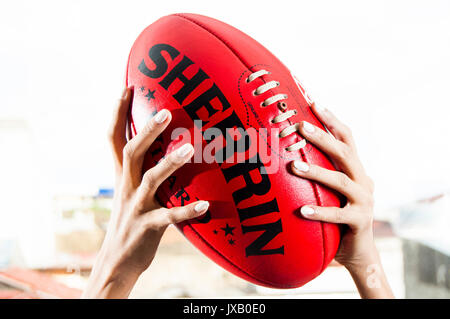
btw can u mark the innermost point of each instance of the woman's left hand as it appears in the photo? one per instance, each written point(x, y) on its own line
point(138, 221)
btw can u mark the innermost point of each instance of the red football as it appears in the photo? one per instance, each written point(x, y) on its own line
point(225, 91)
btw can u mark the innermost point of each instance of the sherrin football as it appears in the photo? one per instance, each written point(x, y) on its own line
point(239, 106)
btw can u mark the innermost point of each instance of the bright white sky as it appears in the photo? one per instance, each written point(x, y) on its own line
point(382, 66)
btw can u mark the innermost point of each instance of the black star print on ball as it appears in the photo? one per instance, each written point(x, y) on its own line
point(228, 230)
point(231, 242)
point(142, 88)
point(150, 95)
point(215, 232)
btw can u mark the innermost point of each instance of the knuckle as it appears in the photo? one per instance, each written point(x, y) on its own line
point(170, 162)
point(321, 136)
point(148, 128)
point(369, 199)
point(128, 151)
point(331, 126)
point(172, 217)
point(338, 216)
point(110, 134)
point(180, 215)
point(183, 214)
point(344, 152)
point(139, 207)
point(343, 180)
point(164, 166)
point(345, 128)
point(148, 179)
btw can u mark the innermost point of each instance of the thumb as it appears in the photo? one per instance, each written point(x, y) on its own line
point(329, 214)
point(193, 210)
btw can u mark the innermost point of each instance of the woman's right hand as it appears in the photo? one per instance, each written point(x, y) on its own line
point(357, 251)
point(137, 221)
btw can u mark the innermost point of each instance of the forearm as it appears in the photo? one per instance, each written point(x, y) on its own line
point(109, 281)
point(370, 278)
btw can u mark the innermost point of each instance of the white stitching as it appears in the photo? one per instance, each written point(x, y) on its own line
point(273, 99)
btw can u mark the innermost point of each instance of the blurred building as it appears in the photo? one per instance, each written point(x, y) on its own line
point(413, 250)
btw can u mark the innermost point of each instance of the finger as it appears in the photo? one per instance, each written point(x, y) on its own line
point(154, 177)
point(135, 149)
point(342, 154)
point(333, 179)
point(326, 142)
point(194, 210)
point(117, 129)
point(330, 214)
point(164, 217)
point(336, 127)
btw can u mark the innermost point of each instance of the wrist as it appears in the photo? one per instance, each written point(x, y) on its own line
point(363, 261)
point(369, 277)
point(110, 284)
point(363, 253)
point(110, 279)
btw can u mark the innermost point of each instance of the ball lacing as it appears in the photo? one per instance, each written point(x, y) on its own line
point(273, 99)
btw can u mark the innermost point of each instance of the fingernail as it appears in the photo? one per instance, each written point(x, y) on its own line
point(184, 150)
point(161, 116)
point(308, 127)
point(202, 206)
point(307, 211)
point(301, 166)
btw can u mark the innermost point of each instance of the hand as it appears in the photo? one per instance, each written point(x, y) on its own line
point(137, 221)
point(357, 251)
